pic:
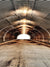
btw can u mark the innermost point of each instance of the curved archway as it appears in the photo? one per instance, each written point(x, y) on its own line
point(29, 21)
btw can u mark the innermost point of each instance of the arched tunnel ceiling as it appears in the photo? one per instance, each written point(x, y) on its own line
point(24, 33)
point(37, 20)
point(7, 6)
point(24, 26)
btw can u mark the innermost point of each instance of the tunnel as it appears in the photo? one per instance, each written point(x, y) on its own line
point(26, 22)
point(24, 33)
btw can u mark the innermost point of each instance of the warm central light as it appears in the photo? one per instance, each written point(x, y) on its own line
point(24, 27)
point(24, 11)
point(23, 36)
point(24, 20)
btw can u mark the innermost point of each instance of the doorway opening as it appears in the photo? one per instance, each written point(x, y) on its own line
point(24, 36)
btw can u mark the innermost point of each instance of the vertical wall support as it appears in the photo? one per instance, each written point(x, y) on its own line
point(28, 3)
point(13, 4)
point(34, 6)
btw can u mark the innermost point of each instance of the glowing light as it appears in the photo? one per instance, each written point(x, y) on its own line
point(23, 36)
point(25, 11)
point(22, 11)
point(24, 27)
point(24, 20)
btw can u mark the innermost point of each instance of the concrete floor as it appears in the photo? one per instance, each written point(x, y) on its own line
point(24, 55)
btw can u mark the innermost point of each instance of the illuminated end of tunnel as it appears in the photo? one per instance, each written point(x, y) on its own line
point(23, 36)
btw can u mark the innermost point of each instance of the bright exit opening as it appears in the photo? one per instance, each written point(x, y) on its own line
point(23, 36)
